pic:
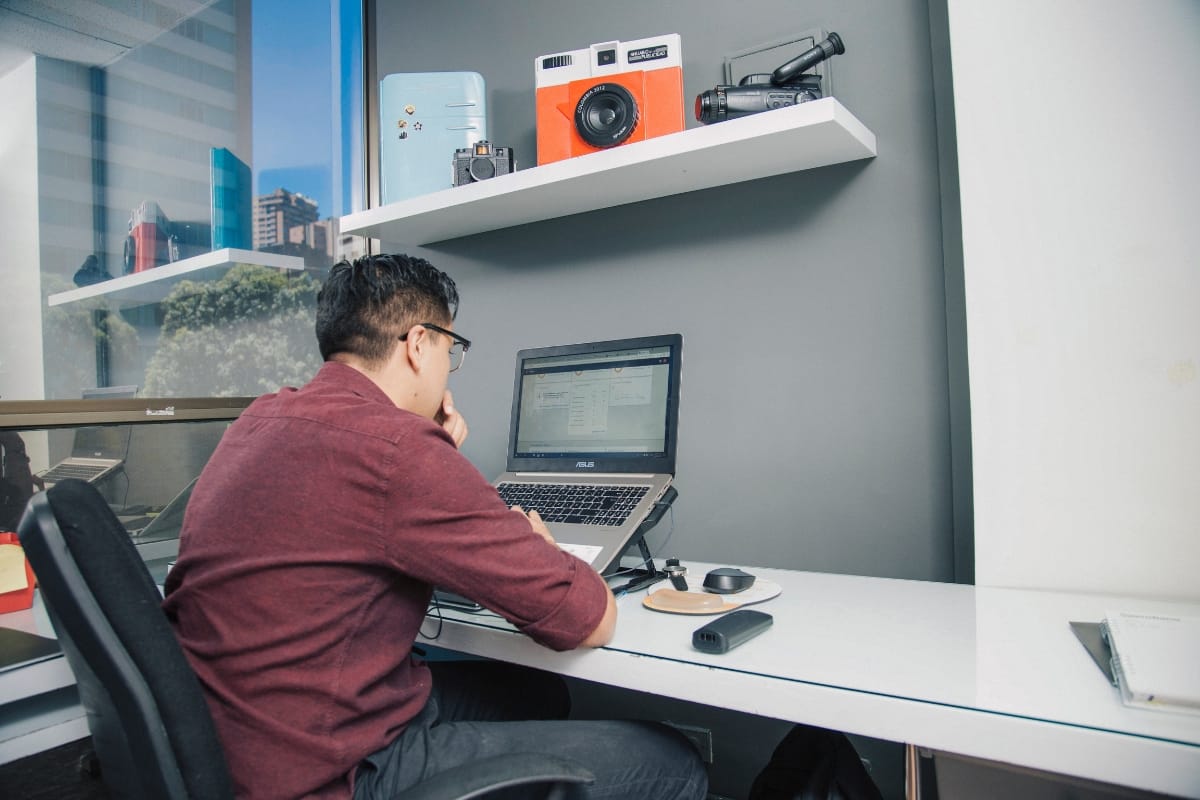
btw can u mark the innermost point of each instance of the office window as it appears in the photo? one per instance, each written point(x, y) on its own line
point(174, 176)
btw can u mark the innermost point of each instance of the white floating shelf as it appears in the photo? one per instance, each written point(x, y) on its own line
point(153, 285)
point(806, 136)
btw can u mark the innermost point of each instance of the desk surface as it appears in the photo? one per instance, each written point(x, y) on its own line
point(39, 707)
point(991, 673)
point(53, 673)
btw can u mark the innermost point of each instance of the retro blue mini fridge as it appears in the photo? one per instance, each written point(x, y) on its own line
point(424, 118)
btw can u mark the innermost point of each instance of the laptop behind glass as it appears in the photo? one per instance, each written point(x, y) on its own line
point(167, 523)
point(97, 450)
point(603, 415)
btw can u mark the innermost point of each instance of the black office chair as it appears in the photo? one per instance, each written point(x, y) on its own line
point(150, 725)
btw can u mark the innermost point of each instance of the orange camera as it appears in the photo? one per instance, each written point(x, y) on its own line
point(607, 95)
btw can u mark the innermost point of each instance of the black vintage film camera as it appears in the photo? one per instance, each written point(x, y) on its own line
point(786, 86)
point(480, 162)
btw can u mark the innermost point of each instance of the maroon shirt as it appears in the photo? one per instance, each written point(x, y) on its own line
point(306, 561)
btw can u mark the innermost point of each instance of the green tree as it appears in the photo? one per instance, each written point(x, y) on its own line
point(248, 333)
point(73, 334)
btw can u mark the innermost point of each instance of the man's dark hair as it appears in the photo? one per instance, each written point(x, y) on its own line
point(365, 306)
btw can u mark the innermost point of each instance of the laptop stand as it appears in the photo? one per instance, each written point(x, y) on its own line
point(647, 574)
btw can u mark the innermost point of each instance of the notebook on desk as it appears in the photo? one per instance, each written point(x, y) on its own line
point(20, 648)
point(1154, 659)
point(592, 439)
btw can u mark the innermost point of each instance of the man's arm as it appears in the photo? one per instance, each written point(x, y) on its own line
point(449, 418)
point(603, 632)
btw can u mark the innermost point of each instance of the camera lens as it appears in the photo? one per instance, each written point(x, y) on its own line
point(710, 106)
point(606, 115)
point(482, 169)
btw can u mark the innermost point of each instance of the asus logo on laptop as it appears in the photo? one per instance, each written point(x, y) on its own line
point(585, 464)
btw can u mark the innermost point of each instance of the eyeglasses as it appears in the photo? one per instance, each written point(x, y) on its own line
point(458, 347)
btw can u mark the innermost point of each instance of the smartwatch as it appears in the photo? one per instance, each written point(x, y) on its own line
point(677, 574)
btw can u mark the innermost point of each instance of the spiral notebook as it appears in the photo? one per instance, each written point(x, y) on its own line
point(1154, 659)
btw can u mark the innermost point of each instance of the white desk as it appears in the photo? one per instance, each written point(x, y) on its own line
point(39, 708)
point(990, 673)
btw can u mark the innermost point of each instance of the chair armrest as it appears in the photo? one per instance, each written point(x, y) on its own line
point(481, 777)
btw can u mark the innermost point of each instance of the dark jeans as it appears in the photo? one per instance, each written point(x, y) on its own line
point(480, 709)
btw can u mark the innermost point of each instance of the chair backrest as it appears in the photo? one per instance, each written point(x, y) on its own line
point(150, 724)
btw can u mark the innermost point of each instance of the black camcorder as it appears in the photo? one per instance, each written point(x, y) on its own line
point(786, 86)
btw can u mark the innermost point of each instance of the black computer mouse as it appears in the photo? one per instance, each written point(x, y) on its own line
point(727, 580)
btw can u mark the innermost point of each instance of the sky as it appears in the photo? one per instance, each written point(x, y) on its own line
point(294, 123)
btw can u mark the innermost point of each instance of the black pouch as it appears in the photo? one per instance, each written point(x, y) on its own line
point(814, 764)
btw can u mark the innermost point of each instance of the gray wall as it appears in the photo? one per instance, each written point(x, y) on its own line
point(815, 413)
point(816, 408)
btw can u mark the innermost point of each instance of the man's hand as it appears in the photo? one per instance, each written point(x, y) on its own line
point(536, 522)
point(453, 422)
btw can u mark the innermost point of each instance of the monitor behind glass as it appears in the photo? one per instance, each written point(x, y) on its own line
point(109, 392)
point(103, 441)
point(598, 407)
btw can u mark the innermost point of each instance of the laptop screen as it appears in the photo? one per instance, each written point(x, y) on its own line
point(597, 407)
point(101, 441)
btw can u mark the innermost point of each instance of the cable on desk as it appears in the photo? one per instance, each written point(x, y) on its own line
point(434, 610)
point(125, 474)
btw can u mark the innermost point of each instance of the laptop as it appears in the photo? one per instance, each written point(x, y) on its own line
point(592, 437)
point(98, 450)
point(167, 523)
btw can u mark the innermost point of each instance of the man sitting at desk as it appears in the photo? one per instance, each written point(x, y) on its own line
point(309, 551)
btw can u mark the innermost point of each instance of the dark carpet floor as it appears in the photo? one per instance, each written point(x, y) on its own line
point(53, 775)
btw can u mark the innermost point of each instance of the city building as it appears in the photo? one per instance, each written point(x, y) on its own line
point(277, 213)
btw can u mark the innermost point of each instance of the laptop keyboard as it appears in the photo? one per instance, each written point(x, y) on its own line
point(84, 472)
point(588, 504)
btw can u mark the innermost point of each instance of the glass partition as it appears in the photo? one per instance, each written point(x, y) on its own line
point(174, 177)
point(143, 457)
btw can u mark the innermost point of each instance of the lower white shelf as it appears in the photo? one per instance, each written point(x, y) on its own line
point(152, 286)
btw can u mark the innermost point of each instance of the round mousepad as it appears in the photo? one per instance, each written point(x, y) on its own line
point(697, 601)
